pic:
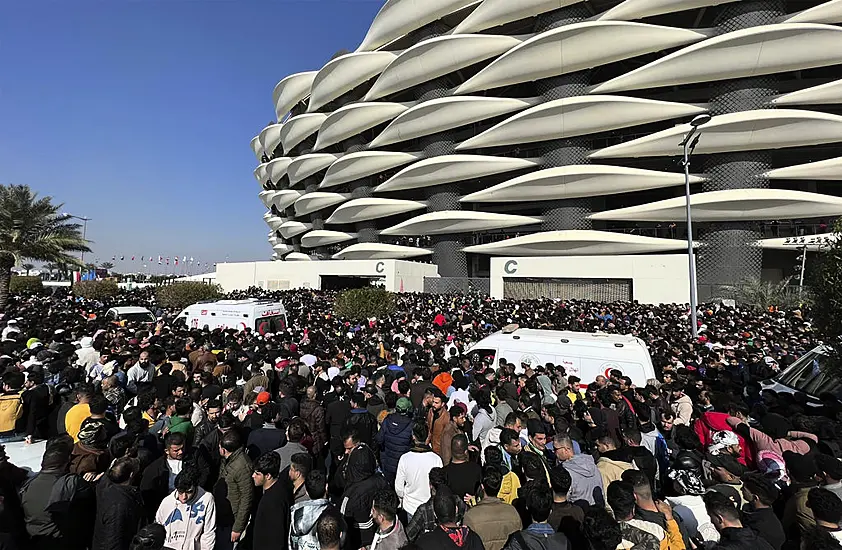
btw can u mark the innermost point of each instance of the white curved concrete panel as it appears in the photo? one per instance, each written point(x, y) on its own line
point(345, 73)
point(745, 53)
point(270, 137)
point(297, 257)
point(256, 148)
point(362, 164)
point(445, 113)
point(325, 237)
point(826, 170)
point(743, 131)
point(829, 12)
point(290, 91)
point(292, 228)
point(492, 13)
point(813, 243)
point(277, 168)
point(306, 165)
point(732, 205)
point(285, 198)
point(399, 17)
point(354, 118)
point(576, 181)
point(380, 251)
point(639, 9)
point(576, 116)
point(457, 221)
point(437, 57)
point(577, 243)
point(313, 202)
point(274, 222)
point(299, 128)
point(825, 94)
point(450, 168)
point(281, 250)
point(266, 198)
point(371, 208)
point(260, 173)
point(575, 47)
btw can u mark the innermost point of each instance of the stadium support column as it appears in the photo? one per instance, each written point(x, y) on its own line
point(727, 254)
point(569, 213)
point(366, 231)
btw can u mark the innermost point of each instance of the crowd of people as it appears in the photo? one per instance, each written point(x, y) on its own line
point(385, 434)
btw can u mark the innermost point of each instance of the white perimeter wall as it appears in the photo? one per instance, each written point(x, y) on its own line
point(655, 279)
point(398, 275)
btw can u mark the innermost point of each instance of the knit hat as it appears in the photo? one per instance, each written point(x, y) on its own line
point(403, 405)
point(442, 381)
point(92, 434)
point(263, 398)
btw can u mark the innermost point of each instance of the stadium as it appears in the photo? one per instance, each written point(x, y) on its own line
point(478, 136)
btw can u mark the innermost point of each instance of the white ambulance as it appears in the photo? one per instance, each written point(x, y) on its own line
point(582, 354)
point(262, 316)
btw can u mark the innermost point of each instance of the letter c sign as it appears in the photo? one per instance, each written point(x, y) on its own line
point(510, 267)
point(380, 267)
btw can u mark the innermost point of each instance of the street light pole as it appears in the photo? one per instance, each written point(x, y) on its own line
point(689, 145)
point(84, 220)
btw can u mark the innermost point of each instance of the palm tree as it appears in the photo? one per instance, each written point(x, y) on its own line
point(32, 228)
point(28, 268)
point(107, 266)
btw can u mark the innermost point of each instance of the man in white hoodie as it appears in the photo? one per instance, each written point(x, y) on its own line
point(86, 355)
point(412, 481)
point(188, 514)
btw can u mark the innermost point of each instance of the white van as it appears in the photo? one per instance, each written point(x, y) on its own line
point(262, 316)
point(582, 354)
point(807, 376)
point(129, 314)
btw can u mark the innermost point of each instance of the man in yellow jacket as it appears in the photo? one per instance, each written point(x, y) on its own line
point(11, 404)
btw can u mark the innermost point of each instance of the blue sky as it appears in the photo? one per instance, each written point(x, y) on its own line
point(139, 113)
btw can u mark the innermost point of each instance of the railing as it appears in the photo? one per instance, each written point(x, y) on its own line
point(457, 285)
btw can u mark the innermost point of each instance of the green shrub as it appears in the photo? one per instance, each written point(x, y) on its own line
point(364, 303)
point(96, 290)
point(181, 295)
point(20, 284)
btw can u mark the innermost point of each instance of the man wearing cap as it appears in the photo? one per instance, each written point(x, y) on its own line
point(395, 437)
point(725, 470)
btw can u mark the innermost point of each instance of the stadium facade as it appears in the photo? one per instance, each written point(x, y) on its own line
point(462, 130)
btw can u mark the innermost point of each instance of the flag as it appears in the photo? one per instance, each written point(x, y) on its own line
point(122, 258)
point(160, 260)
point(191, 259)
point(168, 260)
point(113, 258)
point(141, 259)
point(184, 259)
point(176, 260)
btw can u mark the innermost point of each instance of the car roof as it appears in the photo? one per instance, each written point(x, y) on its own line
point(130, 309)
point(538, 335)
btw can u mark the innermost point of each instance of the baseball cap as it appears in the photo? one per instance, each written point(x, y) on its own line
point(404, 405)
point(727, 463)
point(263, 398)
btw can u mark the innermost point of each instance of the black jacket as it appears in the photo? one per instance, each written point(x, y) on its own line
point(361, 482)
point(394, 440)
point(741, 538)
point(364, 424)
point(154, 483)
point(119, 515)
point(766, 524)
point(437, 539)
point(335, 415)
point(36, 410)
point(271, 521)
point(532, 540)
